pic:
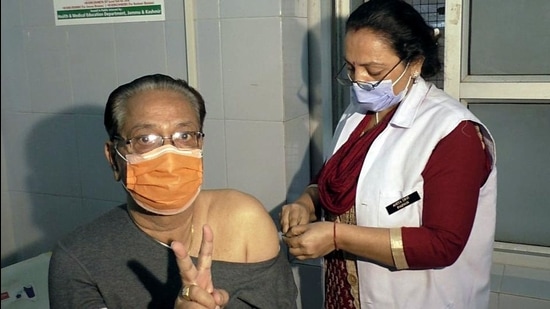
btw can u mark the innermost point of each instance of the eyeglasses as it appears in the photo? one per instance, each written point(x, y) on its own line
point(144, 143)
point(346, 80)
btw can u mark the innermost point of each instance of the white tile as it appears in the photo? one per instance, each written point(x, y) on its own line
point(39, 221)
point(41, 153)
point(51, 39)
point(207, 9)
point(92, 63)
point(295, 8)
point(174, 10)
point(210, 67)
point(48, 69)
point(297, 156)
point(515, 302)
point(15, 84)
point(176, 48)
point(13, 18)
point(95, 173)
point(4, 184)
point(140, 50)
point(246, 8)
point(215, 164)
point(295, 67)
point(252, 66)
point(37, 13)
point(255, 160)
point(9, 248)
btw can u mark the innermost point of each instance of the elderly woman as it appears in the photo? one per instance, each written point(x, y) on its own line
point(172, 245)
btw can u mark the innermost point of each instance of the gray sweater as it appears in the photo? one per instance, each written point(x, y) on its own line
point(111, 263)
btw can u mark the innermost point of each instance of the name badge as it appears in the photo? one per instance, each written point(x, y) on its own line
point(402, 202)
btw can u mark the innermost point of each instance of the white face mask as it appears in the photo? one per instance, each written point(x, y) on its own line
point(379, 98)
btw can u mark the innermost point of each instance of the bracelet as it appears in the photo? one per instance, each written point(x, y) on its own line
point(313, 185)
point(334, 236)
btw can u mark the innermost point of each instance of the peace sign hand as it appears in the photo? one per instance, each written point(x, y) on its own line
point(198, 289)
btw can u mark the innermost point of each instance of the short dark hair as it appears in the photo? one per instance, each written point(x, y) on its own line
point(115, 110)
point(403, 27)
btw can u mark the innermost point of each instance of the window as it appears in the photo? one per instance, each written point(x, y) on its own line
point(493, 68)
point(495, 55)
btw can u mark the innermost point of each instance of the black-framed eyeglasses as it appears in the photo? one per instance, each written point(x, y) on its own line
point(346, 80)
point(144, 143)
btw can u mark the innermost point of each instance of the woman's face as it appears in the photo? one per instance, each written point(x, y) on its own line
point(160, 112)
point(369, 57)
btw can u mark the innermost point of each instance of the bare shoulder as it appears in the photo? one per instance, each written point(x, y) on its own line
point(236, 203)
point(239, 216)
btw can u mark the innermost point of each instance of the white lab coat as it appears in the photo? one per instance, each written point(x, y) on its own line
point(392, 170)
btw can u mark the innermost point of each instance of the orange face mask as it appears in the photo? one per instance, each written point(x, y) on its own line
point(166, 180)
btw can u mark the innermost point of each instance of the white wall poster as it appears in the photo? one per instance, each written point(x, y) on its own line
point(79, 12)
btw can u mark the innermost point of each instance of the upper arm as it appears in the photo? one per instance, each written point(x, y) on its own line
point(453, 176)
point(69, 284)
point(258, 228)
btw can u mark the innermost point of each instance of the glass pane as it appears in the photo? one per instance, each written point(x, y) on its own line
point(509, 37)
point(521, 133)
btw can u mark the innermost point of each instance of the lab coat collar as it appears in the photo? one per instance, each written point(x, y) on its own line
point(406, 112)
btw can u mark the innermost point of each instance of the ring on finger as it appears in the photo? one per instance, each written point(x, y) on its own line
point(185, 292)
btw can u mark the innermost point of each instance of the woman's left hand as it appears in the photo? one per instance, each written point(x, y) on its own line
point(310, 241)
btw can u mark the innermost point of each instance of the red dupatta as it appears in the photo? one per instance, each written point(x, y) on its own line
point(338, 178)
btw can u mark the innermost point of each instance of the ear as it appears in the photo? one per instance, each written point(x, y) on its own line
point(110, 154)
point(416, 67)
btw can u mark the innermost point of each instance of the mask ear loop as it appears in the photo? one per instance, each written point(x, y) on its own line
point(400, 76)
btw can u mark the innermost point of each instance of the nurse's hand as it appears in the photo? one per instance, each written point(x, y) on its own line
point(301, 211)
point(197, 287)
point(293, 214)
point(310, 241)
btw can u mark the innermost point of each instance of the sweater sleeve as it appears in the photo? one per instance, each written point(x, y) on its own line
point(67, 275)
point(456, 170)
point(266, 285)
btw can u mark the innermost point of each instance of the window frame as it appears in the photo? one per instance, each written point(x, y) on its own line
point(472, 89)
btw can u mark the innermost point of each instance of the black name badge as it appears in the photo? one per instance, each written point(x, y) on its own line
point(402, 202)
